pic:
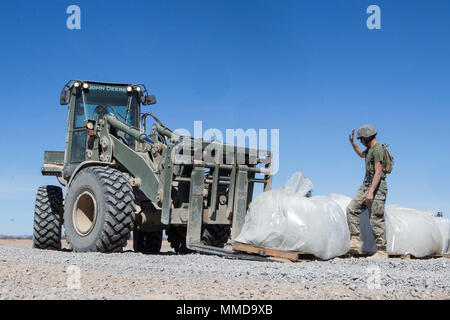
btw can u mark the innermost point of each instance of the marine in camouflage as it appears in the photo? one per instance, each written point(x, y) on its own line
point(358, 205)
point(376, 212)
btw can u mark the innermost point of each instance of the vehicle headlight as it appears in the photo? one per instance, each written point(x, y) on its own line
point(85, 86)
point(129, 88)
point(76, 84)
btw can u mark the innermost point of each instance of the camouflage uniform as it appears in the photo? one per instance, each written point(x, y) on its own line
point(376, 211)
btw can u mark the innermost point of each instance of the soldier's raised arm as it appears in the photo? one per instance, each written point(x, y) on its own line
point(357, 149)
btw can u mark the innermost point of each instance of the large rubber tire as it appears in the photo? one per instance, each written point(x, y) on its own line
point(147, 242)
point(109, 197)
point(212, 235)
point(48, 212)
point(216, 235)
point(176, 236)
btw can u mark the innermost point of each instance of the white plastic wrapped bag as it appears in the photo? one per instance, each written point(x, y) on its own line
point(444, 227)
point(298, 184)
point(284, 219)
point(410, 231)
point(367, 239)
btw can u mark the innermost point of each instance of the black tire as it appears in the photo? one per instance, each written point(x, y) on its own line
point(104, 217)
point(216, 235)
point(147, 242)
point(212, 235)
point(176, 236)
point(48, 211)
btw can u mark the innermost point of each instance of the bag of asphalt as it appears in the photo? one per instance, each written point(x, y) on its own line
point(288, 219)
point(410, 231)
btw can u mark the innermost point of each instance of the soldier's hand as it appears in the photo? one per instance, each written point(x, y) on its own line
point(351, 136)
point(369, 199)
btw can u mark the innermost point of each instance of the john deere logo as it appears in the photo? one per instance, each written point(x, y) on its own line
point(107, 88)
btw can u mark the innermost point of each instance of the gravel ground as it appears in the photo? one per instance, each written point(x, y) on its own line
point(27, 273)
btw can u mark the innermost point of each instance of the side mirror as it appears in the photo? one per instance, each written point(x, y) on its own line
point(148, 100)
point(65, 97)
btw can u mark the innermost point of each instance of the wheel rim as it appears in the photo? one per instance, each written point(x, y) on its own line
point(84, 213)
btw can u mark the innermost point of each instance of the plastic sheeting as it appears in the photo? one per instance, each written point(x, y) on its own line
point(410, 231)
point(404, 231)
point(444, 227)
point(285, 219)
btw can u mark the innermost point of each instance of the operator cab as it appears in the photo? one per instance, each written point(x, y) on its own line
point(99, 100)
point(90, 100)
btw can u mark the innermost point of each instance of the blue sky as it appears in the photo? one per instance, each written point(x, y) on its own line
point(311, 69)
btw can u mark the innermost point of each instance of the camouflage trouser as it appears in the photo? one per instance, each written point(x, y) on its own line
point(376, 212)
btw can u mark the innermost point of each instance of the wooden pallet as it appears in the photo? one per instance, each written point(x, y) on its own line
point(359, 254)
point(356, 254)
point(292, 256)
point(288, 256)
point(409, 256)
point(273, 254)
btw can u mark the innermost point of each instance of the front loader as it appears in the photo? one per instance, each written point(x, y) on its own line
point(119, 179)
